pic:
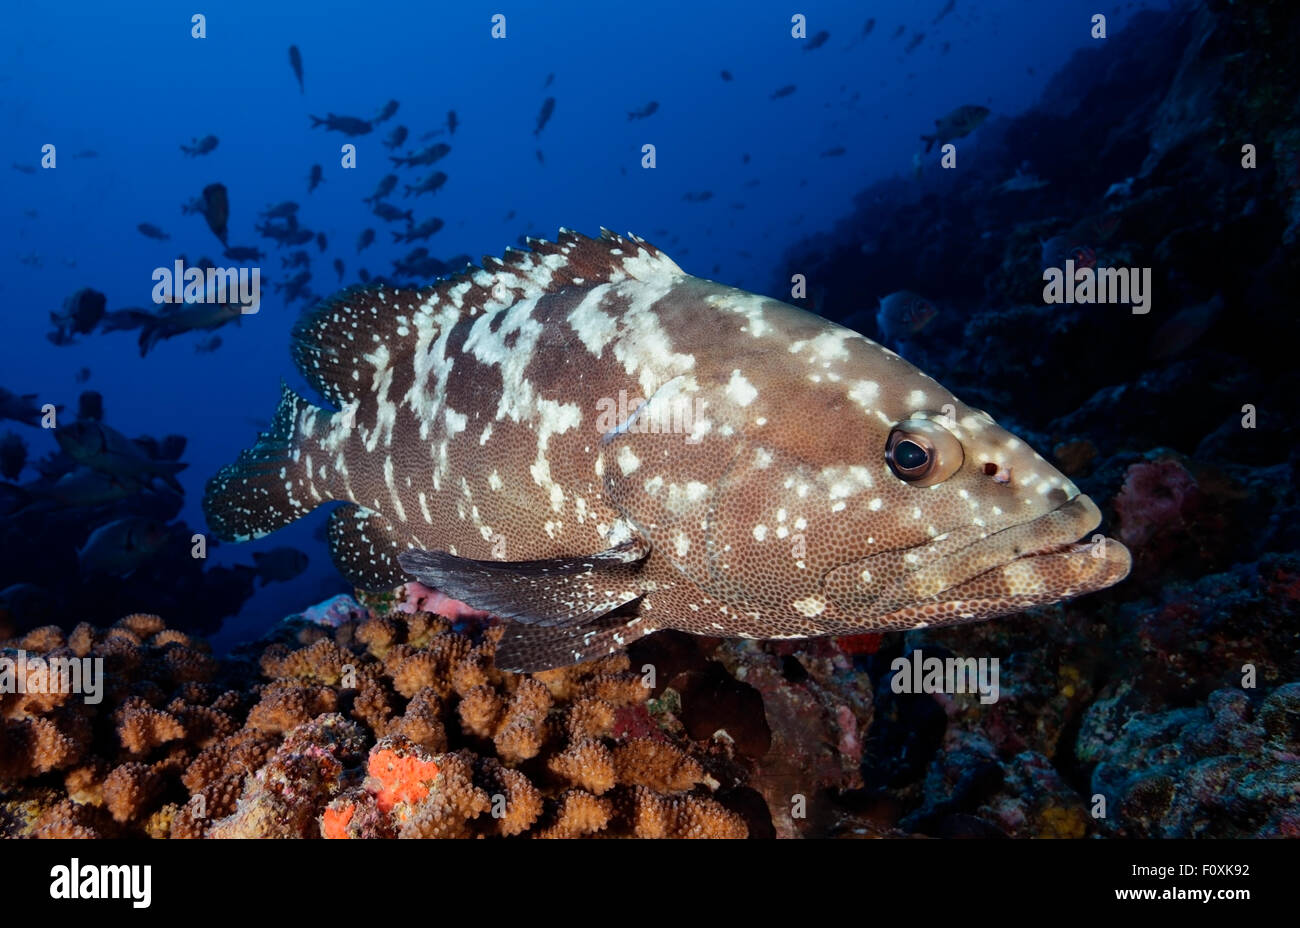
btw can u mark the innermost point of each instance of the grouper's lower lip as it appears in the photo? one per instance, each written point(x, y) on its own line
point(1061, 565)
point(1049, 547)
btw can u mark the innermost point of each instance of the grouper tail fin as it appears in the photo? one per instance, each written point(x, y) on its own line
point(269, 486)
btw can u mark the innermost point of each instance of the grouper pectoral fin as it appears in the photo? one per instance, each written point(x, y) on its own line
point(530, 648)
point(553, 592)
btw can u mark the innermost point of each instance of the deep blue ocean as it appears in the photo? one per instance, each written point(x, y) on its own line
point(130, 84)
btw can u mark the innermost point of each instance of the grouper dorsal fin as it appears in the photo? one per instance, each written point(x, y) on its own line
point(567, 591)
point(331, 341)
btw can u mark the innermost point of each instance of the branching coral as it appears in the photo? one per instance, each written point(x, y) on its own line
point(383, 726)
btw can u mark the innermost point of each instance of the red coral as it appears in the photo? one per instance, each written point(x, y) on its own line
point(1157, 496)
point(334, 823)
point(401, 775)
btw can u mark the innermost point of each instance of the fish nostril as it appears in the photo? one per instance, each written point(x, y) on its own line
point(999, 473)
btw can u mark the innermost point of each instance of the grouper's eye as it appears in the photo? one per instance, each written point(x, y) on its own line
point(922, 452)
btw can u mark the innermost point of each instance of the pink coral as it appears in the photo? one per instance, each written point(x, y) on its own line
point(1156, 496)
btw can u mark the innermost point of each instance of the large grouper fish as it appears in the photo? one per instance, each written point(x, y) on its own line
point(594, 445)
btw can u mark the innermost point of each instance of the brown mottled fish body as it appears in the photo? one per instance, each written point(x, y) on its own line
point(595, 445)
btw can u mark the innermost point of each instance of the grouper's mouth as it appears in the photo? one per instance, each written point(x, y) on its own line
point(1045, 560)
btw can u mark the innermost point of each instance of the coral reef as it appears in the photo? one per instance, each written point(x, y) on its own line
point(369, 725)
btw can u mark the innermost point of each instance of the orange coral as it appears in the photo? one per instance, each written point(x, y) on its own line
point(448, 810)
point(659, 765)
point(140, 730)
point(401, 772)
point(422, 722)
point(45, 638)
point(579, 813)
point(480, 711)
point(378, 635)
point(651, 815)
point(589, 717)
point(82, 639)
point(588, 764)
point(129, 789)
point(516, 803)
point(334, 822)
point(141, 624)
point(287, 704)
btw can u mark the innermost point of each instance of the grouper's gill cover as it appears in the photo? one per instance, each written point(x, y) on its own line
point(595, 445)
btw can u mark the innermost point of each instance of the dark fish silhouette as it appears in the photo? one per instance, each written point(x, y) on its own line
point(452, 122)
point(417, 233)
point(20, 408)
point(648, 110)
point(544, 116)
point(390, 213)
point(216, 209)
point(338, 268)
point(726, 75)
point(783, 91)
point(431, 155)
point(295, 62)
point(200, 146)
point(13, 455)
point(348, 125)
point(916, 40)
point(243, 253)
point(430, 184)
point(948, 8)
point(960, 123)
point(281, 210)
point(386, 113)
point(396, 137)
point(315, 178)
point(817, 41)
point(279, 564)
point(833, 152)
point(384, 188)
point(81, 313)
point(698, 197)
point(363, 241)
point(149, 230)
point(321, 242)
